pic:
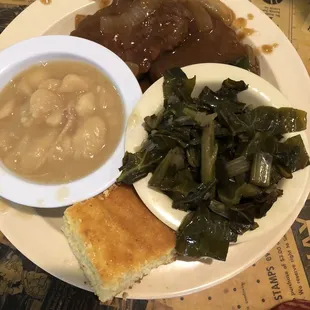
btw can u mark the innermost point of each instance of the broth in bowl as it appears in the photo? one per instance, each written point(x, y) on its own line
point(59, 121)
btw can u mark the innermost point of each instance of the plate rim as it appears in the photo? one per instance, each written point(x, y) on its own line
point(268, 243)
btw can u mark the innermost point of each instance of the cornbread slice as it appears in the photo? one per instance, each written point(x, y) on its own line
point(117, 240)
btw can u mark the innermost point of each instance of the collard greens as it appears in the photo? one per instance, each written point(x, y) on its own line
point(218, 159)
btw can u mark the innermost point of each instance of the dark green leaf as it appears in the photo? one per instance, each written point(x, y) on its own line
point(172, 138)
point(208, 100)
point(137, 166)
point(176, 84)
point(266, 201)
point(219, 208)
point(183, 184)
point(231, 120)
point(200, 195)
point(201, 118)
point(202, 236)
point(242, 218)
point(226, 95)
point(231, 88)
point(232, 193)
point(151, 122)
point(284, 172)
point(221, 172)
point(275, 175)
point(291, 120)
point(163, 177)
point(296, 157)
point(254, 146)
point(221, 131)
point(278, 121)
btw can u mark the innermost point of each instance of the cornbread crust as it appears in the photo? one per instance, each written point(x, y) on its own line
point(121, 238)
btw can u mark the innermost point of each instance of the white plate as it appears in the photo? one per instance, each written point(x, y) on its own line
point(258, 93)
point(36, 233)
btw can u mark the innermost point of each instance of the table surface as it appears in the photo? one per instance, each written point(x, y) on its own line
point(23, 285)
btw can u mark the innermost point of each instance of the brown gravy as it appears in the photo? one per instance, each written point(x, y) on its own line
point(268, 48)
point(245, 32)
point(240, 23)
point(163, 30)
point(59, 121)
point(46, 1)
point(219, 46)
point(168, 37)
point(104, 3)
point(78, 19)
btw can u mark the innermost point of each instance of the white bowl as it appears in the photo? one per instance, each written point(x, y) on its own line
point(27, 53)
point(259, 92)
